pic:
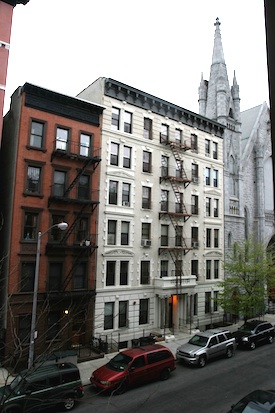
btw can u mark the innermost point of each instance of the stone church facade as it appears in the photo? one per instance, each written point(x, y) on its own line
point(248, 174)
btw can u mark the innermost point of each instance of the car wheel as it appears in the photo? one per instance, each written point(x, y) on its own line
point(121, 388)
point(252, 345)
point(202, 361)
point(69, 403)
point(270, 339)
point(165, 374)
point(229, 352)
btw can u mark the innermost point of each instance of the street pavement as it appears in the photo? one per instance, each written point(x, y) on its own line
point(171, 341)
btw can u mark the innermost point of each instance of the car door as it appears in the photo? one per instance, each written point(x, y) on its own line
point(222, 343)
point(137, 371)
point(261, 333)
point(213, 347)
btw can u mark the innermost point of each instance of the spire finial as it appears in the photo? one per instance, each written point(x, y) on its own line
point(217, 22)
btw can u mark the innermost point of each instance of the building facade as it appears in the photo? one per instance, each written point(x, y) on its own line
point(248, 172)
point(50, 158)
point(160, 244)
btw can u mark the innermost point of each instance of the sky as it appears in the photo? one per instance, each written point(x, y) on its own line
point(160, 47)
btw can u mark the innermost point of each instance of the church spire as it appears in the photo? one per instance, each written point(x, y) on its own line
point(218, 56)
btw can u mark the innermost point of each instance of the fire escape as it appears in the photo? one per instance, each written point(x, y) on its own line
point(83, 204)
point(177, 211)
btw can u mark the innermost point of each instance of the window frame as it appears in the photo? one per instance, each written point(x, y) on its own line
point(34, 136)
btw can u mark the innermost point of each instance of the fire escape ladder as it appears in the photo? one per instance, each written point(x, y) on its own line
point(72, 227)
point(176, 257)
point(179, 199)
point(176, 150)
point(78, 175)
point(74, 265)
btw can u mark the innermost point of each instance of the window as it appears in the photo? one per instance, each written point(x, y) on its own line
point(85, 143)
point(194, 142)
point(84, 187)
point(30, 226)
point(143, 311)
point(124, 240)
point(126, 157)
point(110, 273)
point(215, 150)
point(109, 315)
point(216, 208)
point(208, 207)
point(55, 276)
point(164, 200)
point(178, 238)
point(164, 166)
point(53, 325)
point(207, 176)
point(115, 118)
point(164, 235)
point(178, 136)
point(145, 272)
point(179, 168)
point(34, 179)
point(178, 268)
point(215, 178)
point(216, 269)
point(216, 238)
point(59, 182)
point(208, 237)
point(124, 266)
point(37, 134)
point(164, 268)
point(207, 302)
point(114, 154)
point(82, 230)
point(127, 122)
point(164, 134)
point(145, 230)
point(146, 164)
point(79, 281)
point(27, 276)
point(195, 237)
point(195, 268)
point(24, 326)
point(216, 293)
point(111, 232)
point(146, 197)
point(207, 147)
point(147, 128)
point(208, 270)
point(194, 204)
point(56, 234)
point(126, 194)
point(195, 173)
point(122, 313)
point(179, 202)
point(113, 187)
point(62, 138)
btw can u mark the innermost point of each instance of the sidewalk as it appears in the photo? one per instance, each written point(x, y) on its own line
point(171, 341)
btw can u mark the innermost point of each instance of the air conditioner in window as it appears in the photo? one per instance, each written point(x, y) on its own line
point(195, 244)
point(146, 243)
point(125, 203)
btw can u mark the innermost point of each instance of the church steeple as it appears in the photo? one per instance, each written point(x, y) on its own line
point(216, 100)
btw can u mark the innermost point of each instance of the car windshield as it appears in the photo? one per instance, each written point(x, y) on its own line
point(198, 340)
point(255, 402)
point(119, 362)
point(246, 328)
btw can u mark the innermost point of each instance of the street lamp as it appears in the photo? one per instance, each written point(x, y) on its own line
point(62, 226)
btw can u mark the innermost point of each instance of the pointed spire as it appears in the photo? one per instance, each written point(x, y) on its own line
point(218, 56)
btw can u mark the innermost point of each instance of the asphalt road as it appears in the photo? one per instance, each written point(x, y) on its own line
point(212, 389)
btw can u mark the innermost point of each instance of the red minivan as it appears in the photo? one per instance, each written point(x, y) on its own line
point(134, 366)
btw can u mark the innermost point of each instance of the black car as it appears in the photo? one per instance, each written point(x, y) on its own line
point(254, 332)
point(259, 401)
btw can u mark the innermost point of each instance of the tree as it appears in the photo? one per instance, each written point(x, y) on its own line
point(249, 270)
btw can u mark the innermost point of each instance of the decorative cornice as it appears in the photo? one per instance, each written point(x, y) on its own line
point(143, 100)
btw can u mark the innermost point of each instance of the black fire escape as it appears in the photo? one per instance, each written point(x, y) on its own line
point(84, 203)
point(176, 211)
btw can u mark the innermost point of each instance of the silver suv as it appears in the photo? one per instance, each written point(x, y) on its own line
point(207, 345)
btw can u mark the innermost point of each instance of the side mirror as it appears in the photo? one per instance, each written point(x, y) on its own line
point(131, 369)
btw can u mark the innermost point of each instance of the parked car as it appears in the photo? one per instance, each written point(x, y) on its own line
point(134, 366)
point(205, 346)
point(259, 401)
point(254, 332)
point(39, 388)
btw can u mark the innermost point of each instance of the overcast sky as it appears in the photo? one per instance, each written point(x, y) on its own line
point(158, 46)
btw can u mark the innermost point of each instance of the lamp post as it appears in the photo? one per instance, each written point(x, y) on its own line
point(62, 226)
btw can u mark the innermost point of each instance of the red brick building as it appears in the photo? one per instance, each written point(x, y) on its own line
point(6, 12)
point(49, 174)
